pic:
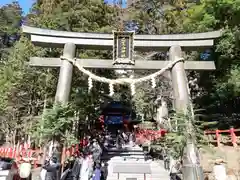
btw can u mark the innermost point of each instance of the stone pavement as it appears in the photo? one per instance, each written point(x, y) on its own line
point(129, 164)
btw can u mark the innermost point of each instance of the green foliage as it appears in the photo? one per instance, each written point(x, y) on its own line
point(17, 88)
point(220, 90)
point(24, 90)
point(84, 16)
point(55, 124)
point(184, 127)
point(10, 18)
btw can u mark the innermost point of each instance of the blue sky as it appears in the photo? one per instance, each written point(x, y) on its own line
point(26, 4)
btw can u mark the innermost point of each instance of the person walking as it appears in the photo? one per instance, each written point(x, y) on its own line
point(52, 167)
point(120, 140)
point(104, 171)
point(97, 172)
point(96, 151)
point(77, 166)
point(84, 172)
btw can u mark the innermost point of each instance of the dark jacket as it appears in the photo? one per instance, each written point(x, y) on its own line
point(68, 173)
point(76, 168)
point(52, 171)
point(104, 172)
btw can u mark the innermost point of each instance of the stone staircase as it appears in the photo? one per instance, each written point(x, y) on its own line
point(128, 164)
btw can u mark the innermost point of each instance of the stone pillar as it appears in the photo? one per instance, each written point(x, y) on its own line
point(65, 75)
point(179, 80)
point(191, 164)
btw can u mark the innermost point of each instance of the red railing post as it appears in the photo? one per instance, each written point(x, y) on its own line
point(35, 163)
point(233, 137)
point(1, 152)
point(72, 150)
point(64, 152)
point(218, 137)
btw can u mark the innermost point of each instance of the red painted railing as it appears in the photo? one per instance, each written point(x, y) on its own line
point(34, 156)
point(217, 136)
point(142, 136)
point(150, 135)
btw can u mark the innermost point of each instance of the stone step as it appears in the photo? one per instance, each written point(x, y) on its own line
point(159, 178)
point(128, 161)
point(163, 177)
point(133, 157)
point(145, 163)
point(153, 174)
point(121, 158)
point(157, 173)
point(126, 149)
point(153, 164)
point(124, 153)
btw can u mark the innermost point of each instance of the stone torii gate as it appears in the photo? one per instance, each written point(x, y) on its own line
point(123, 46)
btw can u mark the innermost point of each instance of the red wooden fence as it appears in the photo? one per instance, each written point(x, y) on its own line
point(218, 138)
point(34, 156)
point(141, 136)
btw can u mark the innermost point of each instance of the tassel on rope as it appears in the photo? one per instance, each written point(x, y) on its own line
point(111, 89)
point(90, 84)
point(133, 89)
point(153, 82)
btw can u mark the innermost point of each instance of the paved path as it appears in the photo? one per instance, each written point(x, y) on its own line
point(129, 164)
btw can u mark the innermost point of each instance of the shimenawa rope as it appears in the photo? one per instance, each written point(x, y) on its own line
point(111, 82)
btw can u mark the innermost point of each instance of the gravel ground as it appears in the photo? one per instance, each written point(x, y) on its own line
point(229, 154)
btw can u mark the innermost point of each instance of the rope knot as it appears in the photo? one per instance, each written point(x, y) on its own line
point(71, 60)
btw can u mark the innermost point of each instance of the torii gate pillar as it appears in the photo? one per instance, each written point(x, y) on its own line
point(65, 75)
point(179, 80)
point(191, 164)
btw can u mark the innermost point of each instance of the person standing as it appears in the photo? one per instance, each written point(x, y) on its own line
point(90, 165)
point(97, 172)
point(119, 140)
point(104, 171)
point(77, 166)
point(84, 172)
point(52, 168)
point(96, 151)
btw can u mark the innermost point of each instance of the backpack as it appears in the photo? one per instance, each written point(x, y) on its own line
point(25, 170)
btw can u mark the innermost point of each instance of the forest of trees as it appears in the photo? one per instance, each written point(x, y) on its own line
point(25, 92)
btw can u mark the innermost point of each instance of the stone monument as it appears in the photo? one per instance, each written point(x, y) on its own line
point(162, 115)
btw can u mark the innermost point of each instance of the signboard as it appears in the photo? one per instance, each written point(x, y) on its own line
point(114, 120)
point(123, 48)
